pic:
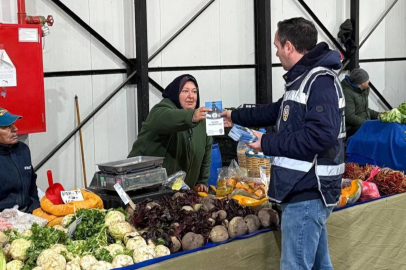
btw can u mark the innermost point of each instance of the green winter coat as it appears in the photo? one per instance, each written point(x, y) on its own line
point(169, 132)
point(356, 105)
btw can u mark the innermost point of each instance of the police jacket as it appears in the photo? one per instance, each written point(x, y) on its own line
point(309, 144)
point(17, 178)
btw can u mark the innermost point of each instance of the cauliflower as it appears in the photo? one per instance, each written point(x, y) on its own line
point(130, 235)
point(19, 248)
point(118, 230)
point(151, 243)
point(115, 249)
point(67, 220)
point(113, 217)
point(61, 228)
point(56, 262)
point(14, 265)
point(87, 261)
point(161, 250)
point(45, 255)
point(72, 266)
point(3, 237)
point(143, 253)
point(37, 268)
point(58, 248)
point(121, 261)
point(140, 257)
point(135, 243)
point(26, 233)
point(101, 265)
point(6, 251)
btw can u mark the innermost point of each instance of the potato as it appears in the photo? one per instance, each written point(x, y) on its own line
point(176, 245)
point(192, 241)
point(221, 215)
point(187, 208)
point(252, 223)
point(237, 227)
point(209, 206)
point(268, 217)
point(210, 198)
point(219, 234)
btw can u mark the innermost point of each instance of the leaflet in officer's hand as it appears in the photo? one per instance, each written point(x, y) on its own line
point(242, 134)
point(214, 122)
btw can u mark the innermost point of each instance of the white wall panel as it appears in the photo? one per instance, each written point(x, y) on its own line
point(374, 47)
point(107, 18)
point(237, 35)
point(199, 44)
point(61, 120)
point(110, 124)
point(68, 46)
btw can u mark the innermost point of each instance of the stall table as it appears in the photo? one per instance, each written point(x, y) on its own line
point(368, 236)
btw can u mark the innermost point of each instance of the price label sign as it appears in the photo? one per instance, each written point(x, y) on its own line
point(72, 196)
point(73, 225)
point(121, 193)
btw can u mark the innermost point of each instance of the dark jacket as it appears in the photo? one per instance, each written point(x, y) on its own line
point(310, 123)
point(169, 132)
point(356, 109)
point(18, 179)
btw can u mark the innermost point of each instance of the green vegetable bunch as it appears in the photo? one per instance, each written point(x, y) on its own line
point(397, 115)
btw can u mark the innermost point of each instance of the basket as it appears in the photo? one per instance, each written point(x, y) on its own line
point(254, 161)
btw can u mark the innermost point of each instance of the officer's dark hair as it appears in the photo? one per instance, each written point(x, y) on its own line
point(300, 32)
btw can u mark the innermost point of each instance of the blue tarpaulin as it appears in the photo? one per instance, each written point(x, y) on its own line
point(377, 143)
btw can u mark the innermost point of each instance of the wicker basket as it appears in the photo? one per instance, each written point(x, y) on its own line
point(254, 161)
point(242, 158)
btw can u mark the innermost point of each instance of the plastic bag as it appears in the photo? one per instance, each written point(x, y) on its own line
point(369, 191)
point(21, 221)
point(176, 181)
point(225, 183)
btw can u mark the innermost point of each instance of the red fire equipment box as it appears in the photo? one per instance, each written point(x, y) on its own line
point(23, 46)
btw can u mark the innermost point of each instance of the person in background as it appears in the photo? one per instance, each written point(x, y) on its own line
point(17, 177)
point(356, 92)
point(308, 147)
point(176, 130)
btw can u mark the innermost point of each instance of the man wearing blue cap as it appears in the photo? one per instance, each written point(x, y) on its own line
point(17, 176)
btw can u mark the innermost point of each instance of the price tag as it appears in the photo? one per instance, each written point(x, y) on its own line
point(73, 225)
point(124, 196)
point(72, 196)
point(121, 193)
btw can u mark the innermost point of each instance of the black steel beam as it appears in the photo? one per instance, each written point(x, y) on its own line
point(141, 43)
point(83, 72)
point(321, 25)
point(156, 85)
point(214, 67)
point(263, 53)
point(102, 40)
point(354, 16)
point(384, 101)
point(382, 60)
point(180, 30)
point(59, 146)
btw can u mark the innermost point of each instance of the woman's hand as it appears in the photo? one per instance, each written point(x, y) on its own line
point(200, 114)
point(201, 188)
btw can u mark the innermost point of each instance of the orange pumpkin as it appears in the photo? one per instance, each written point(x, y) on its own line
point(91, 200)
point(354, 190)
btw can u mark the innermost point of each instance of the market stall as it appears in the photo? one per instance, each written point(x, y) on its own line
point(365, 236)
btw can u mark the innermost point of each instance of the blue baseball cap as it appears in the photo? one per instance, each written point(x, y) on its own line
point(6, 118)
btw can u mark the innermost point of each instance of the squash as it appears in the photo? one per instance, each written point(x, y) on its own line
point(91, 200)
point(343, 198)
point(247, 201)
point(354, 190)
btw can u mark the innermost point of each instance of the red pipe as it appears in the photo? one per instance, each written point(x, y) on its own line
point(21, 11)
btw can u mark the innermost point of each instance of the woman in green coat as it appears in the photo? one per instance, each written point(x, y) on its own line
point(176, 130)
